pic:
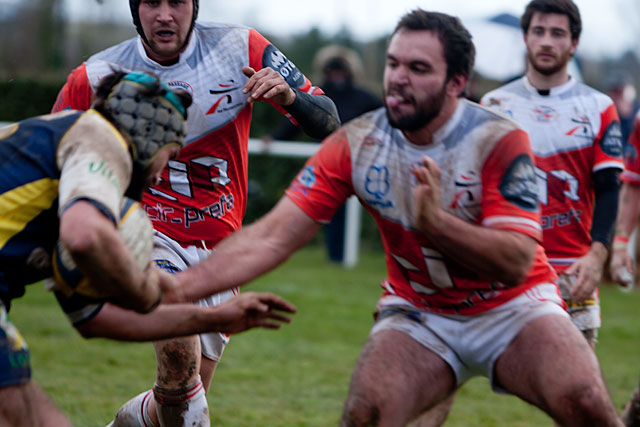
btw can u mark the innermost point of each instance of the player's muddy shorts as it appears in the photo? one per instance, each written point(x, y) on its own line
point(586, 314)
point(469, 344)
point(14, 353)
point(172, 257)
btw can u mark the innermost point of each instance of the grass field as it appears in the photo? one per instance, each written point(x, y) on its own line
point(297, 376)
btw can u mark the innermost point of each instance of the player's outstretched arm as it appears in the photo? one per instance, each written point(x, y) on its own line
point(501, 254)
point(243, 312)
point(250, 252)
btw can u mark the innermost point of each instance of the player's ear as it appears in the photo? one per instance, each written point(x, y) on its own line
point(456, 85)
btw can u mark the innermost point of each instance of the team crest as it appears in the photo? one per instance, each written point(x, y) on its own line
point(377, 185)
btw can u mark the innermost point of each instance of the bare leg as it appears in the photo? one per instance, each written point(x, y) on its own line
point(631, 411)
point(394, 380)
point(207, 369)
point(550, 365)
point(29, 406)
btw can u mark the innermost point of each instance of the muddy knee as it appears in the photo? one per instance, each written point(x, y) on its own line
point(360, 411)
point(178, 361)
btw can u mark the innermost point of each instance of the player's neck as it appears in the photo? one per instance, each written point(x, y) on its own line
point(424, 136)
point(545, 82)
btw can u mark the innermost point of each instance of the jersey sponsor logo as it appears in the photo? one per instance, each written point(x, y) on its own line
point(467, 195)
point(543, 114)
point(611, 142)
point(561, 219)
point(377, 185)
point(519, 184)
point(371, 141)
point(581, 128)
point(181, 85)
point(275, 59)
point(168, 266)
point(188, 216)
point(224, 100)
point(307, 177)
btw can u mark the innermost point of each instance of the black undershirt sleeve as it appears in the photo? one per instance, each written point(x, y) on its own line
point(606, 185)
point(316, 114)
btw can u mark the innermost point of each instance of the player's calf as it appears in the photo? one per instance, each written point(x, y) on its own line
point(183, 407)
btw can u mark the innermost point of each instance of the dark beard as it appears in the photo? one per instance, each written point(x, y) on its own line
point(548, 71)
point(423, 115)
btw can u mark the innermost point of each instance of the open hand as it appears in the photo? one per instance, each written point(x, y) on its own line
point(253, 310)
point(427, 195)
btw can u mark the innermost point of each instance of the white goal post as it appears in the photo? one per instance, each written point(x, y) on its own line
point(351, 243)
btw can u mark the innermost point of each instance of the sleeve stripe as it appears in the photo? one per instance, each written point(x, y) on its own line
point(500, 221)
point(610, 164)
point(630, 176)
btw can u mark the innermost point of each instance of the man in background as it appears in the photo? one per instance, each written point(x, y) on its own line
point(576, 140)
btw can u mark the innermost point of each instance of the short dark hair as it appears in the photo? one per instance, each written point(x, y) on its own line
point(459, 51)
point(560, 7)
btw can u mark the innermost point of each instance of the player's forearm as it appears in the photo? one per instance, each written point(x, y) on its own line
point(316, 114)
point(250, 252)
point(501, 255)
point(103, 257)
point(167, 321)
point(628, 209)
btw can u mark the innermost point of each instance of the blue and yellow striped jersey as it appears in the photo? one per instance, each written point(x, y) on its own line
point(29, 178)
point(46, 164)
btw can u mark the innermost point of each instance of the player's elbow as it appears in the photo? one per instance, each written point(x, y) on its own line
point(87, 331)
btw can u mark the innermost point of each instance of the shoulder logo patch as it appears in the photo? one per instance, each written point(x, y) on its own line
point(519, 184)
point(275, 59)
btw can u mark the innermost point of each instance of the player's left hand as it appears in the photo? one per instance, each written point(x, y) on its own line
point(267, 84)
point(589, 272)
point(427, 195)
point(252, 310)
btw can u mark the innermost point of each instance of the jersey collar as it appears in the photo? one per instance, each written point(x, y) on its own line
point(554, 91)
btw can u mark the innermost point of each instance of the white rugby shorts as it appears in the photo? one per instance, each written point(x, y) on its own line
point(171, 257)
point(469, 344)
point(586, 314)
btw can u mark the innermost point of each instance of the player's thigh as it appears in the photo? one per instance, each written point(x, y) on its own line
point(395, 371)
point(548, 360)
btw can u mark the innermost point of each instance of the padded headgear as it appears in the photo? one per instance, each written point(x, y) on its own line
point(148, 113)
point(135, 14)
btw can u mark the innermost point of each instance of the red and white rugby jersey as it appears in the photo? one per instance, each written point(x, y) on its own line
point(488, 179)
point(203, 193)
point(631, 173)
point(574, 132)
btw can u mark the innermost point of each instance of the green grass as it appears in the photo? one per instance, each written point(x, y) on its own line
point(297, 376)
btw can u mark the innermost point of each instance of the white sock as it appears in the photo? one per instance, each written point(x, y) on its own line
point(183, 407)
point(134, 412)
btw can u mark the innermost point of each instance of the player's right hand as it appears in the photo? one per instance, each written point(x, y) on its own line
point(252, 310)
